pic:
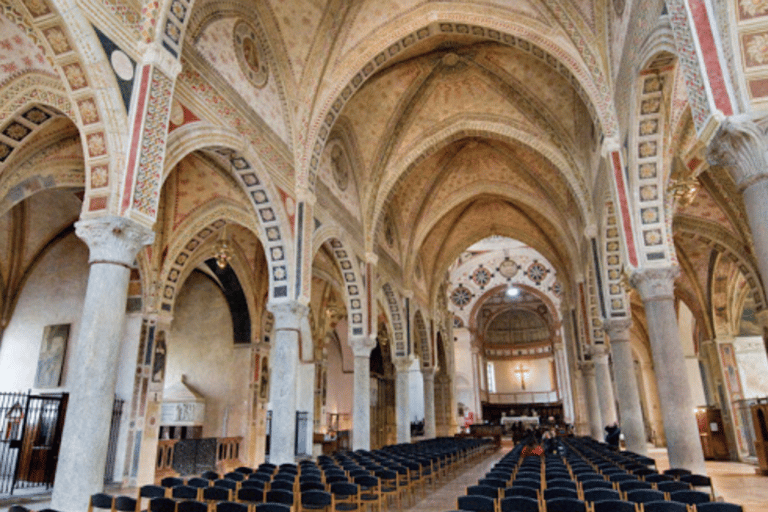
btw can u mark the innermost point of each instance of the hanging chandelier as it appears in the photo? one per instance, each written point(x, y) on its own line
point(222, 252)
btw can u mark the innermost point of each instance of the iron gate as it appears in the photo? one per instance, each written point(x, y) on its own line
point(30, 439)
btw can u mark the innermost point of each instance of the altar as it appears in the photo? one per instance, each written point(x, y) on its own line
point(528, 422)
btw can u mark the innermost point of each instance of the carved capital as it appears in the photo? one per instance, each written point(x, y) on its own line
point(740, 147)
point(597, 351)
point(362, 345)
point(587, 368)
point(617, 329)
point(428, 374)
point(288, 314)
point(655, 283)
point(403, 364)
point(113, 239)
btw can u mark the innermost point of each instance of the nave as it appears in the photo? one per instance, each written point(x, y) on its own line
point(732, 482)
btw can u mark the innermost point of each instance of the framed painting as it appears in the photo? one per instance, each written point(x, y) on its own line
point(52, 351)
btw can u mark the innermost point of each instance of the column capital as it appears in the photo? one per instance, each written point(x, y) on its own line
point(655, 283)
point(362, 345)
point(617, 329)
point(304, 195)
point(114, 240)
point(403, 364)
point(740, 147)
point(428, 373)
point(153, 53)
point(587, 368)
point(288, 314)
point(597, 351)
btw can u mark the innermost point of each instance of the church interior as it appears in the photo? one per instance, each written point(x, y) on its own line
point(277, 230)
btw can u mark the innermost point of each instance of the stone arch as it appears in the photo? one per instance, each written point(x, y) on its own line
point(183, 252)
point(55, 175)
point(615, 293)
point(422, 344)
point(353, 284)
point(73, 55)
point(715, 236)
point(553, 310)
point(395, 314)
point(273, 225)
point(423, 25)
point(495, 129)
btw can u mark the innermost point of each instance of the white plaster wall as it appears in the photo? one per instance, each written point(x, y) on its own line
point(53, 294)
point(200, 346)
point(416, 391)
point(685, 325)
point(340, 382)
point(753, 366)
point(539, 376)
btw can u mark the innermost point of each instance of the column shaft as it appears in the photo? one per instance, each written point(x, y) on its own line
point(605, 386)
point(683, 444)
point(593, 402)
point(632, 424)
point(361, 408)
point(430, 424)
point(113, 243)
point(402, 401)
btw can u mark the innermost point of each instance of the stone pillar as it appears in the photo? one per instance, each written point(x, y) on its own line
point(478, 410)
point(361, 400)
point(593, 401)
point(632, 424)
point(402, 400)
point(284, 362)
point(604, 384)
point(656, 287)
point(740, 147)
point(564, 382)
point(113, 243)
point(652, 404)
point(430, 425)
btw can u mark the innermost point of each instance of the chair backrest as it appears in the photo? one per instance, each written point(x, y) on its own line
point(584, 477)
point(99, 500)
point(279, 496)
point(185, 492)
point(161, 505)
point(253, 484)
point(715, 506)
point(658, 477)
point(244, 470)
point(315, 499)
point(690, 497)
point(332, 479)
point(235, 475)
point(613, 506)
point(210, 475)
point(171, 481)
point(122, 504)
point(524, 482)
point(528, 492)
point(198, 482)
point(596, 484)
point(601, 495)
point(217, 493)
point(476, 503)
point(673, 486)
point(250, 495)
point(559, 492)
point(191, 506)
point(645, 495)
point(561, 482)
point(566, 505)
point(151, 491)
point(264, 477)
point(226, 483)
point(21, 508)
point(677, 472)
point(272, 507)
point(631, 485)
point(493, 482)
point(288, 477)
point(231, 506)
point(622, 477)
point(665, 506)
point(519, 504)
point(346, 491)
point(483, 490)
point(281, 485)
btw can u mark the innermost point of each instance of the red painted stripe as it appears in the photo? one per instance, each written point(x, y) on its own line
point(136, 138)
point(711, 59)
point(624, 206)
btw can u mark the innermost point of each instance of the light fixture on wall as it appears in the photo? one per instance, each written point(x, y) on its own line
point(222, 253)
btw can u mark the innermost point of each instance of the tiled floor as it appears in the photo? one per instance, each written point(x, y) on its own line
point(733, 482)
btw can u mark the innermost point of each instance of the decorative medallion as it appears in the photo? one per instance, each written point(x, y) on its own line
point(508, 269)
point(482, 276)
point(537, 272)
point(457, 322)
point(340, 167)
point(461, 296)
point(250, 54)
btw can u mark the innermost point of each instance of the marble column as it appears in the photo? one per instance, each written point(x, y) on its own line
point(656, 287)
point(593, 401)
point(430, 424)
point(361, 400)
point(402, 400)
point(740, 147)
point(284, 366)
point(478, 410)
point(113, 243)
point(604, 384)
point(632, 424)
point(652, 403)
